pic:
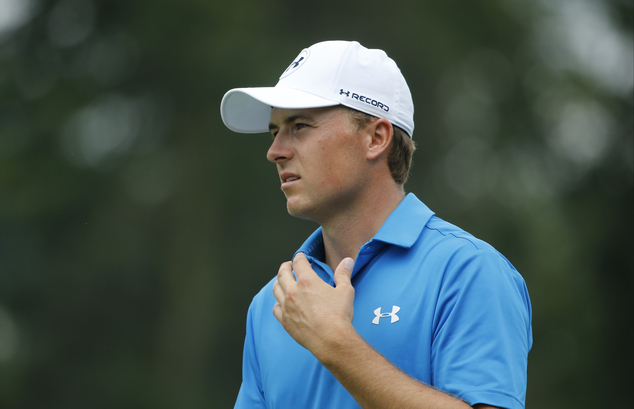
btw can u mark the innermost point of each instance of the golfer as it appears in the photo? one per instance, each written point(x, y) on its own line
point(385, 305)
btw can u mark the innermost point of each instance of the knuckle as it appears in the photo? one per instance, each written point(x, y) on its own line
point(303, 280)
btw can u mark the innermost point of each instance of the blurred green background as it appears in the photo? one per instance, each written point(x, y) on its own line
point(135, 228)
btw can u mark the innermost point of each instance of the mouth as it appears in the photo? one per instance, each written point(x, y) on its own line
point(287, 178)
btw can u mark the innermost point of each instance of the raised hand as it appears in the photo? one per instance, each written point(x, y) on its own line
point(310, 310)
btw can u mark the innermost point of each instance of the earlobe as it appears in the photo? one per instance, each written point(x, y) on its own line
point(381, 138)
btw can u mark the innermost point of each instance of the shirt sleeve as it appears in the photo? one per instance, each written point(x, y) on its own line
point(482, 331)
point(251, 394)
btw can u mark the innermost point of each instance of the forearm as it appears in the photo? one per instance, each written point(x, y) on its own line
point(374, 381)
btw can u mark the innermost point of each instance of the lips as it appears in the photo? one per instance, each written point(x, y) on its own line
point(288, 177)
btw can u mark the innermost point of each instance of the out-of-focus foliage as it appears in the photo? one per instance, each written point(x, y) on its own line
point(135, 228)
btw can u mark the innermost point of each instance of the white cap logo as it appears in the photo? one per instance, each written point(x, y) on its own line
point(301, 59)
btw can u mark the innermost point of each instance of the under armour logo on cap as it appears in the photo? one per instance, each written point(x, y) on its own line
point(378, 315)
point(301, 59)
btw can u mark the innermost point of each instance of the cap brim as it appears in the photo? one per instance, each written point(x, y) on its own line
point(248, 110)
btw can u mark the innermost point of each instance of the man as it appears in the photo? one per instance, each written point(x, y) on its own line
point(385, 305)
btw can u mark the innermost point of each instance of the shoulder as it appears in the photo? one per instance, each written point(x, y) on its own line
point(467, 257)
point(445, 241)
point(264, 299)
point(442, 230)
point(454, 239)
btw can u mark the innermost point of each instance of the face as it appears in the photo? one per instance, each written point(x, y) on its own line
point(320, 160)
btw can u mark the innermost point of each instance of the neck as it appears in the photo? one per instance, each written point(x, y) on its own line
point(345, 234)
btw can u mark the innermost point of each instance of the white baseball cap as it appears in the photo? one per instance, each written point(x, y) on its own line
point(326, 74)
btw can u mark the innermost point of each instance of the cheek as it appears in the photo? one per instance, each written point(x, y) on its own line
point(341, 167)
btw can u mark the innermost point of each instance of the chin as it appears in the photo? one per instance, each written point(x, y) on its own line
point(298, 209)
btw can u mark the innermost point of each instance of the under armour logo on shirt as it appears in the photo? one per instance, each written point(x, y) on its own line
point(392, 315)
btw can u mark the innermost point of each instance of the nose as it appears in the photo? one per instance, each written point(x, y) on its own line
point(279, 151)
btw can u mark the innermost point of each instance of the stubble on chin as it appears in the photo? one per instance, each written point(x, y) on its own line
point(298, 210)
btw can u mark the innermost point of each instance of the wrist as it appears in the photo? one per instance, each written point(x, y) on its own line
point(341, 341)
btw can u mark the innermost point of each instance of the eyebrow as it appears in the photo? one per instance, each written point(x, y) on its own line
point(290, 119)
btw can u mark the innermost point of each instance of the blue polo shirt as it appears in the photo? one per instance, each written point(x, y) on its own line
point(443, 306)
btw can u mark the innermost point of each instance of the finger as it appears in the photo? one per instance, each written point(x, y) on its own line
point(301, 265)
point(343, 284)
point(343, 272)
point(285, 275)
point(278, 292)
point(277, 311)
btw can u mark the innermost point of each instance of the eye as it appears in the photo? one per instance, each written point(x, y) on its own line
point(300, 125)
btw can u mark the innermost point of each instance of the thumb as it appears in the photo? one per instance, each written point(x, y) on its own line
point(343, 272)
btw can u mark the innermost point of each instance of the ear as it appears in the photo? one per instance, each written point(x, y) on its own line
point(381, 134)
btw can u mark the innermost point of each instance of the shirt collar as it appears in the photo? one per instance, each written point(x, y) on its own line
point(402, 228)
point(314, 246)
